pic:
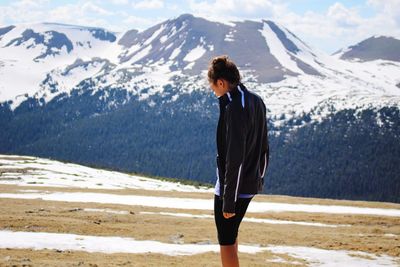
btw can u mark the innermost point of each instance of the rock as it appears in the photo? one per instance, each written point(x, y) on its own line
point(177, 239)
point(76, 209)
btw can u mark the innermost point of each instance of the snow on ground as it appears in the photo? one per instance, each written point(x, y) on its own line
point(141, 54)
point(113, 244)
point(343, 84)
point(105, 244)
point(246, 219)
point(175, 53)
point(195, 54)
point(66, 80)
point(18, 60)
point(334, 258)
point(46, 172)
point(52, 173)
point(278, 50)
point(154, 35)
point(107, 211)
point(304, 93)
point(196, 204)
point(229, 37)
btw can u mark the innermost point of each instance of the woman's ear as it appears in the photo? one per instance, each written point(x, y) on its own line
point(220, 83)
point(223, 84)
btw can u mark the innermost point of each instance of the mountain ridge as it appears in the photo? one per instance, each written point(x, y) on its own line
point(176, 52)
point(145, 106)
point(373, 48)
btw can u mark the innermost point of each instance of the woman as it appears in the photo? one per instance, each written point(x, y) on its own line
point(243, 153)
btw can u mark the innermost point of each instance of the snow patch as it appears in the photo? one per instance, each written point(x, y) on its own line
point(107, 211)
point(104, 244)
point(195, 54)
point(198, 204)
point(163, 39)
point(278, 50)
point(52, 173)
point(246, 219)
point(175, 53)
point(141, 54)
point(229, 37)
point(334, 258)
point(154, 35)
point(113, 244)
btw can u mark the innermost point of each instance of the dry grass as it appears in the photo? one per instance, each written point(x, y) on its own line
point(366, 233)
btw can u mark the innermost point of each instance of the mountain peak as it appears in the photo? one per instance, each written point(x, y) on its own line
point(377, 36)
point(373, 48)
point(187, 19)
point(6, 29)
point(185, 16)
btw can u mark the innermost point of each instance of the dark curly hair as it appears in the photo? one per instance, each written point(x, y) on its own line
point(221, 67)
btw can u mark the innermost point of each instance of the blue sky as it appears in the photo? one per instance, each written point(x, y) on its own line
point(324, 24)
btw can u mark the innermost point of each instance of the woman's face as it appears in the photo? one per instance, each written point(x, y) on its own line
point(220, 87)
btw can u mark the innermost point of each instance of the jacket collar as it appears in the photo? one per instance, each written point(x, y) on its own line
point(228, 96)
point(225, 99)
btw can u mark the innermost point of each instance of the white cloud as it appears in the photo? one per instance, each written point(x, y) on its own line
point(86, 15)
point(174, 7)
point(22, 11)
point(388, 10)
point(120, 2)
point(29, 3)
point(343, 16)
point(148, 4)
point(391, 6)
point(140, 23)
point(236, 9)
point(89, 7)
point(339, 25)
point(2, 22)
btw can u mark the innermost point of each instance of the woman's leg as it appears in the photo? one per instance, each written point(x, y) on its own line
point(241, 209)
point(236, 245)
point(229, 255)
point(228, 229)
point(226, 235)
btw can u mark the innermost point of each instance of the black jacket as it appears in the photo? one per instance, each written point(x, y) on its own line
point(242, 145)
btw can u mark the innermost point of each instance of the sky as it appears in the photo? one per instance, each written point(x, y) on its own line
point(323, 24)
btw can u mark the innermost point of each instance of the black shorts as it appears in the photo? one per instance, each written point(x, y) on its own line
point(227, 229)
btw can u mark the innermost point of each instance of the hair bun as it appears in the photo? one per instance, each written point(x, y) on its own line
point(222, 67)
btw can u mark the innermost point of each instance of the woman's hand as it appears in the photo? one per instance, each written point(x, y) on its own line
point(228, 215)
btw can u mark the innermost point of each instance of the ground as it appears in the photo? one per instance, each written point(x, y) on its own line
point(346, 233)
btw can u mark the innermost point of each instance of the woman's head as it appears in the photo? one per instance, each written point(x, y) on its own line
point(223, 75)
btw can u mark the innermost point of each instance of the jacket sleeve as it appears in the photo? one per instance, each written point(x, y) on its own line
point(264, 160)
point(235, 149)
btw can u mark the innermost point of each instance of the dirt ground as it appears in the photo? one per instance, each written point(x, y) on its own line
point(368, 233)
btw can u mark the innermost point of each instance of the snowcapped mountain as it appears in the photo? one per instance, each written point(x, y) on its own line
point(139, 101)
point(56, 58)
point(373, 48)
point(292, 77)
point(32, 55)
point(187, 43)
